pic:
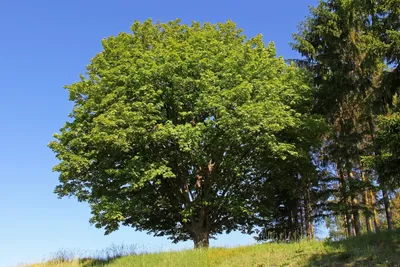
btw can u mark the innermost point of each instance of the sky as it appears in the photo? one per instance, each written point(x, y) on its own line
point(46, 44)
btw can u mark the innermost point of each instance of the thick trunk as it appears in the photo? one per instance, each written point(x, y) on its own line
point(387, 208)
point(201, 238)
point(200, 230)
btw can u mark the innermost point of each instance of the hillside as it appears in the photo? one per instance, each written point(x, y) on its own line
point(381, 249)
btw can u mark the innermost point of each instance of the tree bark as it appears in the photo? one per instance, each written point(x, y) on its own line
point(308, 216)
point(376, 152)
point(368, 223)
point(347, 224)
point(294, 222)
point(307, 220)
point(387, 208)
point(367, 204)
point(201, 238)
point(302, 224)
point(312, 231)
point(356, 217)
point(200, 229)
point(375, 218)
point(345, 202)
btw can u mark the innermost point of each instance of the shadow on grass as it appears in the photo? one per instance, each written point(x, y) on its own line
point(381, 249)
point(83, 258)
point(83, 262)
point(88, 262)
point(92, 262)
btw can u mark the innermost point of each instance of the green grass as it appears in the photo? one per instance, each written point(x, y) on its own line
point(381, 249)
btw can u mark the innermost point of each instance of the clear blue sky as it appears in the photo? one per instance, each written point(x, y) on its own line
point(45, 45)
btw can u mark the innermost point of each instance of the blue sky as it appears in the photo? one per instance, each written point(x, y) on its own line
point(45, 45)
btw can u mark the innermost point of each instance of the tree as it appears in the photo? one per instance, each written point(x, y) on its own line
point(345, 45)
point(175, 127)
point(352, 48)
point(287, 201)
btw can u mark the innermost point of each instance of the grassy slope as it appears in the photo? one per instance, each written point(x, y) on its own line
point(381, 249)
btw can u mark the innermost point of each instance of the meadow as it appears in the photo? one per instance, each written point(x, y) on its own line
point(380, 249)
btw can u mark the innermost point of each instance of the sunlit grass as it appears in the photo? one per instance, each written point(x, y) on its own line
point(381, 249)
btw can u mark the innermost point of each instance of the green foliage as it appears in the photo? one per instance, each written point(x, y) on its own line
point(192, 130)
point(388, 142)
point(343, 49)
point(351, 47)
point(175, 128)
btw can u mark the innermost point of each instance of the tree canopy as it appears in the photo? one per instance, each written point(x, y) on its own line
point(190, 131)
point(176, 129)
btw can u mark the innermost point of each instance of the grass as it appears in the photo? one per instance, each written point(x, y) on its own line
point(382, 249)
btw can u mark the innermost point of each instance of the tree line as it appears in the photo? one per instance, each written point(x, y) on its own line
point(190, 131)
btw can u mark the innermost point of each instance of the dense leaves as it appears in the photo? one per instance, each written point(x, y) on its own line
point(175, 129)
point(193, 130)
point(350, 47)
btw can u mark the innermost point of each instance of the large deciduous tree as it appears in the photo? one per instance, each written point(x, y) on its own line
point(176, 127)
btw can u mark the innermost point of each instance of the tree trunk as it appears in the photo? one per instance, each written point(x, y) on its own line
point(312, 231)
point(356, 216)
point(345, 202)
point(347, 224)
point(307, 220)
point(387, 208)
point(302, 224)
point(367, 204)
point(375, 218)
point(294, 227)
point(308, 216)
point(201, 238)
point(368, 223)
point(376, 152)
point(353, 229)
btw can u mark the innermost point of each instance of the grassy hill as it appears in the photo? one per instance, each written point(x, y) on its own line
point(382, 249)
